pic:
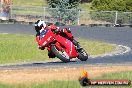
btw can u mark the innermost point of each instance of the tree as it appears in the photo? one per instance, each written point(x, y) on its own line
point(63, 10)
point(128, 5)
point(67, 4)
point(110, 5)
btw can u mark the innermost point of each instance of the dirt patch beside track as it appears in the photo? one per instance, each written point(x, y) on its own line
point(41, 75)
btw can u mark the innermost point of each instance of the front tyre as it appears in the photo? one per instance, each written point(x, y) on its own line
point(63, 56)
point(83, 56)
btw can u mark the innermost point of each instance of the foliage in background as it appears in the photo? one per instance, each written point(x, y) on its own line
point(66, 10)
point(110, 5)
point(128, 5)
point(64, 4)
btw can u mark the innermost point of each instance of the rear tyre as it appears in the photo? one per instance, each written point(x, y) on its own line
point(63, 56)
point(83, 56)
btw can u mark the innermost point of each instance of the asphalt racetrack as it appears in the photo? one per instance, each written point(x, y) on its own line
point(116, 35)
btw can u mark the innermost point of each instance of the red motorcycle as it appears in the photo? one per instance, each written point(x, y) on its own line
point(62, 47)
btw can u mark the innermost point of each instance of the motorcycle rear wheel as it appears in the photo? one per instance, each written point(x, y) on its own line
point(63, 56)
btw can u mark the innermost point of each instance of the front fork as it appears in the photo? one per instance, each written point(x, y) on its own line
point(76, 44)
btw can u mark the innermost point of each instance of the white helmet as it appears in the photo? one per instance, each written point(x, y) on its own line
point(39, 24)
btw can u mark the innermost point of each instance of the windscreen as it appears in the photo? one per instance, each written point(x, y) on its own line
point(43, 33)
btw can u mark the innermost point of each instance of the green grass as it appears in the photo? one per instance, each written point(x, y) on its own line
point(23, 48)
point(85, 6)
point(96, 47)
point(6, 23)
point(52, 84)
point(17, 48)
point(117, 75)
point(29, 2)
point(25, 11)
point(75, 84)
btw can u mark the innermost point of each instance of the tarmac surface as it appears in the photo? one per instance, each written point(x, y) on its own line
point(116, 35)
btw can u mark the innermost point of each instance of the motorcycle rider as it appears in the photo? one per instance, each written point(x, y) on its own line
point(41, 27)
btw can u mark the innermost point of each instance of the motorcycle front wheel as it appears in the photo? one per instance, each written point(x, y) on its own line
point(62, 55)
point(83, 56)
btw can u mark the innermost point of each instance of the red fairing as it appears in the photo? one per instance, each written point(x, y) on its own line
point(52, 27)
point(69, 46)
point(60, 42)
point(47, 38)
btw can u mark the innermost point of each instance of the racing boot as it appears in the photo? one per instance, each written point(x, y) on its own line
point(51, 54)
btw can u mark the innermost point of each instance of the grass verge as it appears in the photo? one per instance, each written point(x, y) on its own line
point(29, 2)
point(96, 47)
point(23, 48)
point(75, 84)
point(85, 6)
